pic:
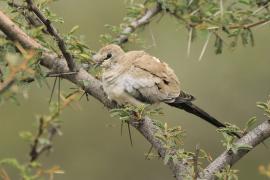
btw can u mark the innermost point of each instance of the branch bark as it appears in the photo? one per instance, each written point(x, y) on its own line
point(253, 138)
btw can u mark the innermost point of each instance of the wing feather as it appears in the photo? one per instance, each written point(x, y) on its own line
point(151, 80)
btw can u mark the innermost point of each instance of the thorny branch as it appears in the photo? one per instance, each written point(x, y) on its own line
point(50, 60)
point(150, 13)
point(32, 20)
point(252, 138)
point(148, 129)
point(47, 127)
point(14, 70)
point(35, 151)
point(52, 31)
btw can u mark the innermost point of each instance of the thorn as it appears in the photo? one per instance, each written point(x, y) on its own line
point(129, 133)
point(87, 96)
point(189, 41)
point(149, 151)
point(82, 96)
point(121, 131)
point(60, 74)
point(205, 46)
point(59, 93)
point(54, 83)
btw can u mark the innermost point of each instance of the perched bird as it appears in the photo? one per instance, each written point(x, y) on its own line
point(136, 78)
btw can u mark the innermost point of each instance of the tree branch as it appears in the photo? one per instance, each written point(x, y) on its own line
point(50, 60)
point(147, 128)
point(150, 13)
point(53, 32)
point(253, 138)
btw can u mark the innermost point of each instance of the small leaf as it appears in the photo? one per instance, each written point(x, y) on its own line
point(75, 28)
point(167, 158)
point(26, 135)
point(243, 147)
point(251, 122)
point(262, 105)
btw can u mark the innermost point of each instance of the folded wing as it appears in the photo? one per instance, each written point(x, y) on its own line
point(150, 80)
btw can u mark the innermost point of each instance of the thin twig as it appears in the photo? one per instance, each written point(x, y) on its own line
point(150, 13)
point(53, 32)
point(248, 26)
point(14, 70)
point(4, 175)
point(252, 138)
point(34, 153)
point(37, 148)
point(32, 20)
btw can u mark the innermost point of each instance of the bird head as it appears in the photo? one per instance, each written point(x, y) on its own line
point(107, 55)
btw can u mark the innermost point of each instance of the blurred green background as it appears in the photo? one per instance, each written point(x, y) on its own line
point(227, 86)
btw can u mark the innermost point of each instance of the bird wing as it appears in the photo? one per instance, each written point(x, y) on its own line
point(153, 80)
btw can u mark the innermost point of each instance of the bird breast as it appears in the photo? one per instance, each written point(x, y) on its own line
point(117, 80)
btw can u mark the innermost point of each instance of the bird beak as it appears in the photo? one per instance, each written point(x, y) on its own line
point(97, 59)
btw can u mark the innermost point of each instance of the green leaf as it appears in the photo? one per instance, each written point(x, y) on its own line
point(75, 28)
point(262, 105)
point(243, 147)
point(44, 141)
point(251, 122)
point(167, 158)
point(175, 159)
point(26, 135)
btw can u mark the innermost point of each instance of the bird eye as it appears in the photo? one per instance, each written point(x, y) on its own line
point(109, 55)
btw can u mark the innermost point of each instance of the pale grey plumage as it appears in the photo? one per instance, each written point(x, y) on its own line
point(136, 77)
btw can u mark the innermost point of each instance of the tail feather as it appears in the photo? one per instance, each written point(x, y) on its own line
point(193, 109)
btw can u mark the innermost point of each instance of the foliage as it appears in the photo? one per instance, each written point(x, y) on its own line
point(265, 106)
point(137, 113)
point(229, 139)
point(265, 170)
point(228, 22)
point(30, 171)
point(173, 140)
point(227, 173)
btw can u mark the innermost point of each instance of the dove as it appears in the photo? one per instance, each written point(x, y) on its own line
point(137, 78)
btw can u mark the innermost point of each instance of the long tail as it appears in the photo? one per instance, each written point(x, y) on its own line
point(193, 109)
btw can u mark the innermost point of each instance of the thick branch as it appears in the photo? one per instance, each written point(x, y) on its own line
point(253, 138)
point(150, 13)
point(94, 87)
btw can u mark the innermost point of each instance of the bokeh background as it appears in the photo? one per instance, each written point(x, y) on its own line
point(227, 86)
